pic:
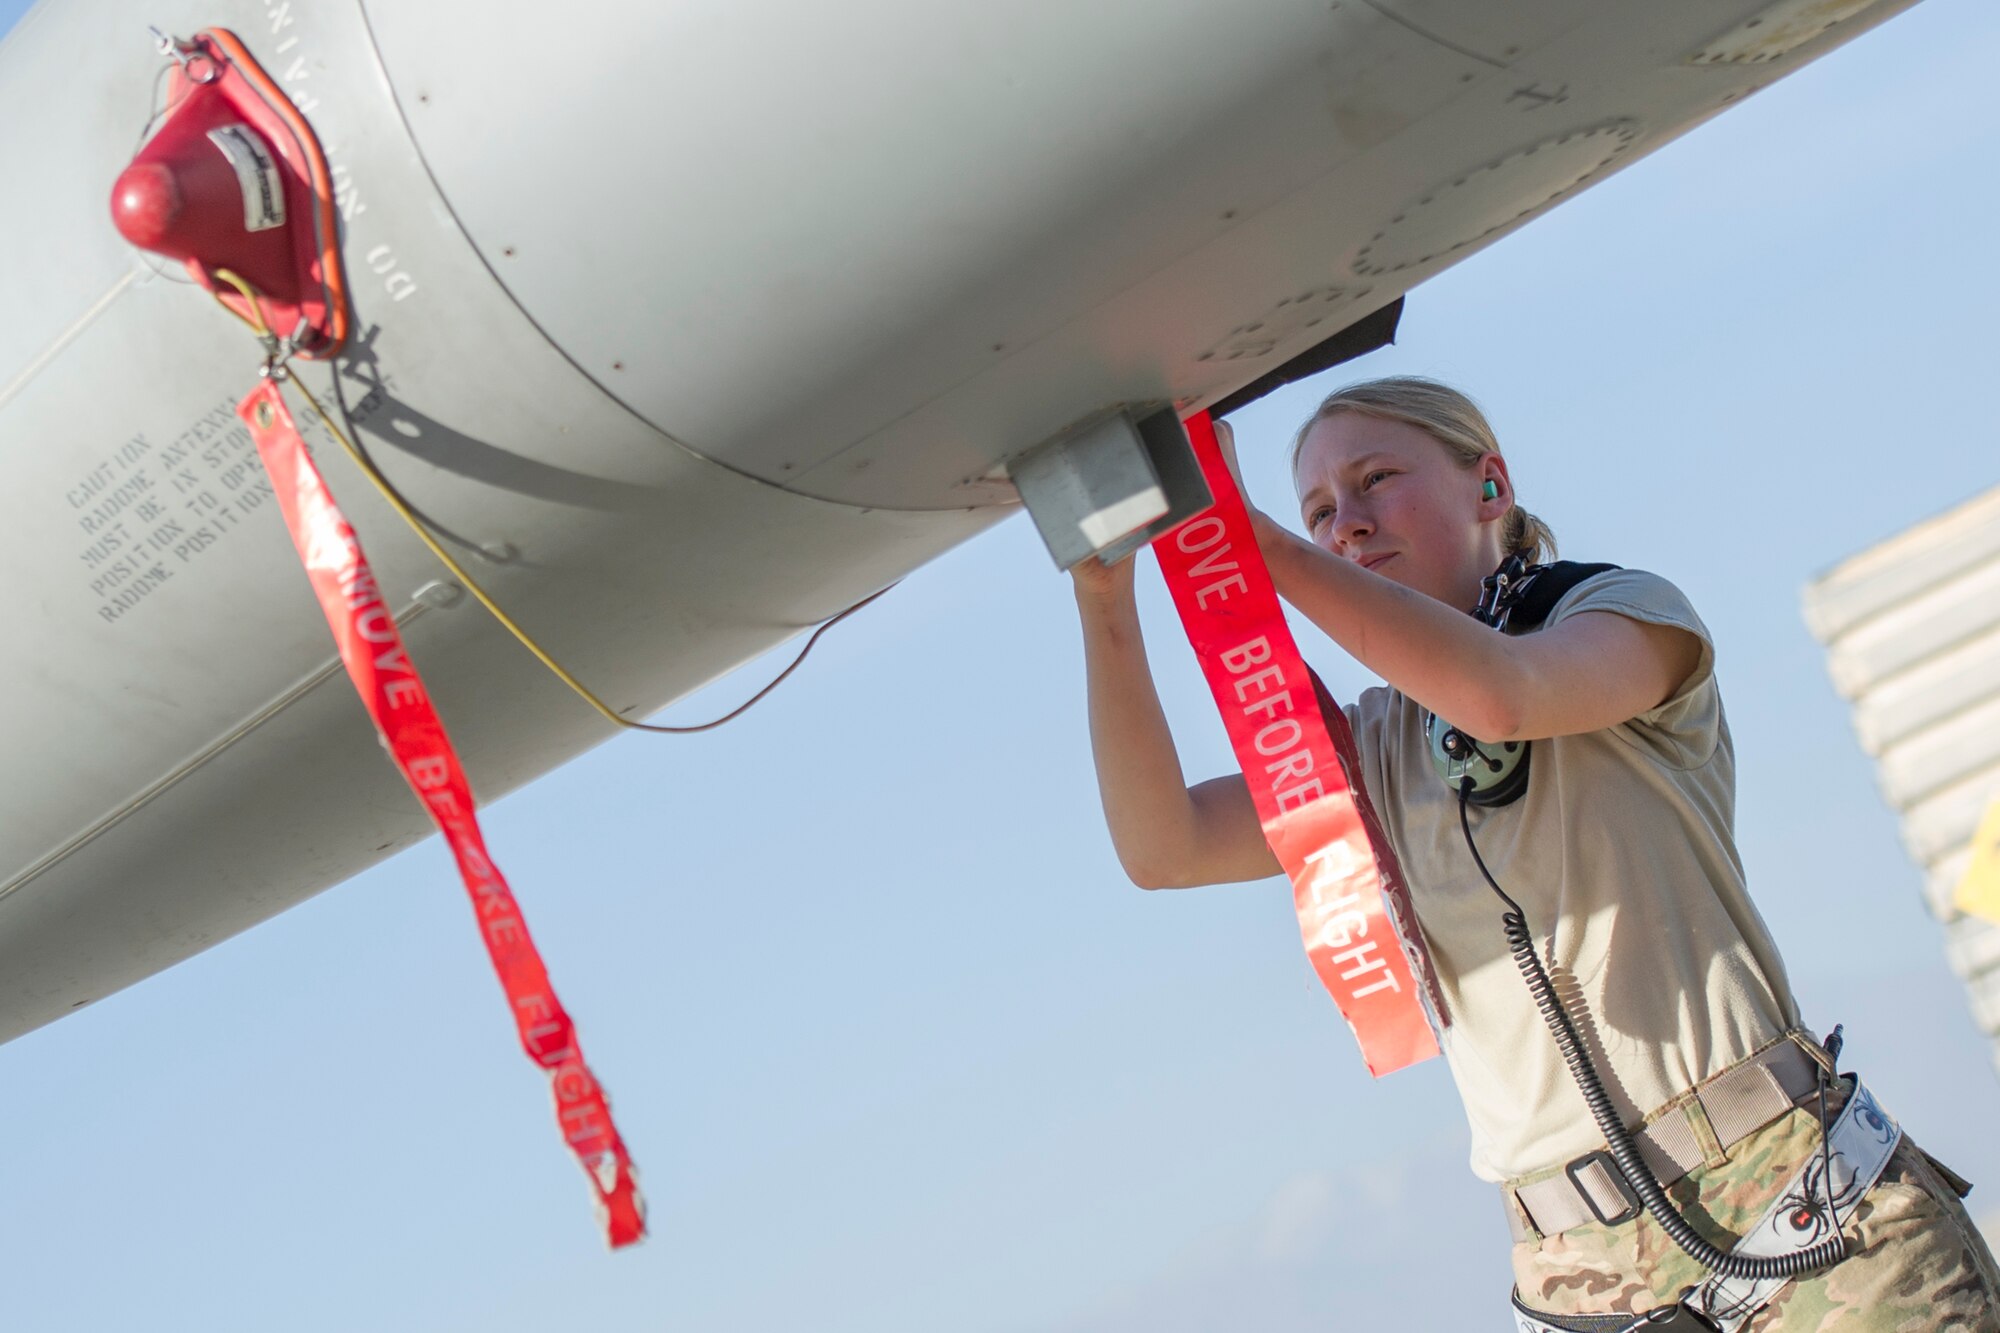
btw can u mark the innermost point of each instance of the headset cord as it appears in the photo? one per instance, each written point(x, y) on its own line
point(1639, 1176)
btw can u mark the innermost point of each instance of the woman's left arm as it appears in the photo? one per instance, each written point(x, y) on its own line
point(1588, 671)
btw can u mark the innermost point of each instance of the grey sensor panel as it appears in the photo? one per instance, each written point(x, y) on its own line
point(1110, 485)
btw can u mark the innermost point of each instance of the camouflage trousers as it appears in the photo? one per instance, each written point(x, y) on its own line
point(1915, 1260)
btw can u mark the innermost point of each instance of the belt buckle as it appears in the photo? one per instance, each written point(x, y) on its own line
point(1602, 1157)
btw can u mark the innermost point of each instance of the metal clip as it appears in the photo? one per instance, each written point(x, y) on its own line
point(278, 352)
point(1680, 1317)
point(1500, 590)
point(197, 65)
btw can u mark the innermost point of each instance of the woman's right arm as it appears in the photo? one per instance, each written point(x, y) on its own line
point(1168, 835)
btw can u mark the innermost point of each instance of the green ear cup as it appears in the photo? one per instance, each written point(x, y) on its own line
point(1498, 772)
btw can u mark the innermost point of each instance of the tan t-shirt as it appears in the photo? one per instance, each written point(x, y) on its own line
point(1622, 856)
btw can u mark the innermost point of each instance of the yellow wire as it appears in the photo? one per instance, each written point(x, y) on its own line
point(368, 469)
point(451, 563)
point(255, 319)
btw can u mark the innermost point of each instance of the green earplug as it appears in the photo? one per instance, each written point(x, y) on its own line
point(1490, 491)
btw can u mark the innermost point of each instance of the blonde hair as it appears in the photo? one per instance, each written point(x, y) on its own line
point(1450, 418)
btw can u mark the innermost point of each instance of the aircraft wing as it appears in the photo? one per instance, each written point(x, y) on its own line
point(690, 325)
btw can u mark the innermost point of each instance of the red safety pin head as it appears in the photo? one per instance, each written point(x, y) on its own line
point(234, 178)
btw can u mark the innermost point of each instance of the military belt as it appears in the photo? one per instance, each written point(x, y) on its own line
point(1737, 1103)
point(1826, 1186)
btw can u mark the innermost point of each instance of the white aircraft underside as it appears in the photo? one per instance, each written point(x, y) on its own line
point(706, 320)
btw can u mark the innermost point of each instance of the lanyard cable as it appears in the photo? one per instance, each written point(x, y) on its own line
point(1638, 1175)
point(418, 525)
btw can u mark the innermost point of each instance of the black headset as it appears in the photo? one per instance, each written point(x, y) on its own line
point(1517, 594)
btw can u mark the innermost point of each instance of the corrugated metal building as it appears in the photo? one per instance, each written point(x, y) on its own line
point(1912, 633)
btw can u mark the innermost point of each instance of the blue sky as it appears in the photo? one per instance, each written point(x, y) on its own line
point(934, 1064)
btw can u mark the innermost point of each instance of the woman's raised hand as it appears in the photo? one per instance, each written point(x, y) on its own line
point(1225, 439)
point(1099, 584)
point(1272, 538)
point(1167, 834)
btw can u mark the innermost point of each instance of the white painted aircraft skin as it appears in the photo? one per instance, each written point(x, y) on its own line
point(703, 324)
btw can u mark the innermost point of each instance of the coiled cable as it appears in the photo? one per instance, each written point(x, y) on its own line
point(1639, 1176)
